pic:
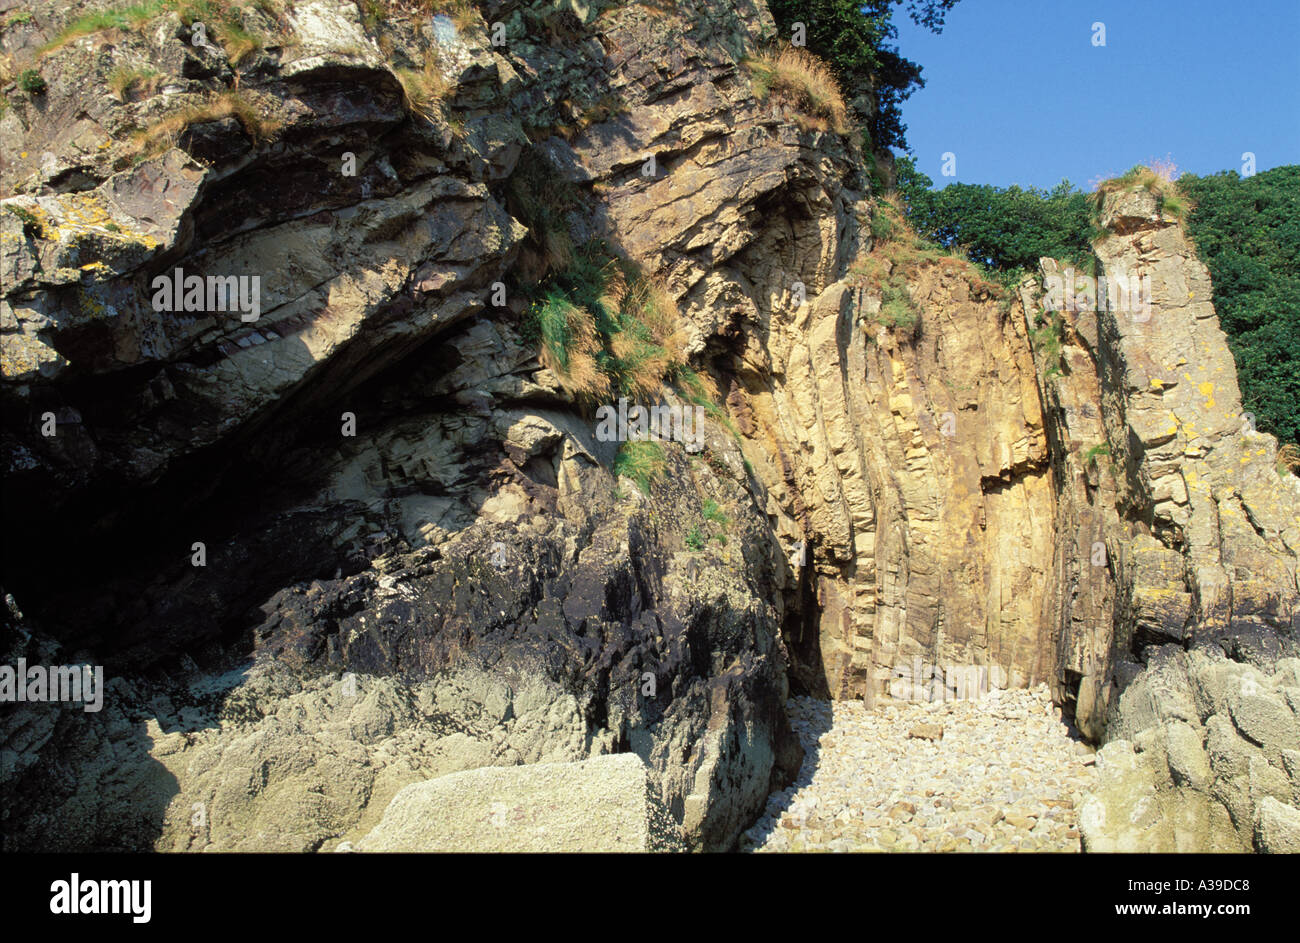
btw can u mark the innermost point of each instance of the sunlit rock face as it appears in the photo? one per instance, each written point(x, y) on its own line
point(359, 538)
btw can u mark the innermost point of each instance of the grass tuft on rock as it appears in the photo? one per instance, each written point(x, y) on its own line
point(165, 133)
point(1159, 179)
point(125, 81)
point(223, 20)
point(425, 88)
point(643, 462)
point(797, 79)
point(605, 329)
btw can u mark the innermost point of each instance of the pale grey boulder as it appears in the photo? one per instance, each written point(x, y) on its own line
point(602, 804)
point(1277, 827)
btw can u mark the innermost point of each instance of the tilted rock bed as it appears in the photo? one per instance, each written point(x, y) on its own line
point(1008, 774)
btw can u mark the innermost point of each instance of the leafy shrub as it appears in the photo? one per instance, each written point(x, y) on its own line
point(30, 81)
point(1247, 233)
point(1004, 229)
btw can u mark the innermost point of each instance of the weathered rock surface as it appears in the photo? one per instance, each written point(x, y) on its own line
point(468, 536)
point(1186, 605)
point(1196, 759)
point(598, 805)
point(418, 560)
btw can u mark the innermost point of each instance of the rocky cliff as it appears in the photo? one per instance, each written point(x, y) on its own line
point(418, 558)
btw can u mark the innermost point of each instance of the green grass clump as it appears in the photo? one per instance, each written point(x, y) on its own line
point(1047, 342)
point(124, 80)
point(32, 225)
point(1160, 180)
point(882, 227)
point(1090, 457)
point(223, 20)
point(643, 462)
point(896, 309)
point(605, 329)
point(714, 513)
point(132, 17)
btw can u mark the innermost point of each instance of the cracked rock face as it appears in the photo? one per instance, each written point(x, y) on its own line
point(1194, 668)
point(417, 558)
point(455, 581)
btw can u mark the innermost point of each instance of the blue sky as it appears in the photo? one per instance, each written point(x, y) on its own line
point(1016, 90)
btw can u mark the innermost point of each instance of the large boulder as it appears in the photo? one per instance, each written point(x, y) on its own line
point(602, 804)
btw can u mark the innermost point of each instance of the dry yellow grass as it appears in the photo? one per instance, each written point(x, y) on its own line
point(1158, 178)
point(576, 364)
point(424, 88)
point(797, 79)
point(1288, 457)
point(164, 133)
point(123, 81)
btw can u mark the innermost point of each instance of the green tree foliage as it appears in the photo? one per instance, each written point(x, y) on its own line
point(1006, 229)
point(1247, 232)
point(855, 37)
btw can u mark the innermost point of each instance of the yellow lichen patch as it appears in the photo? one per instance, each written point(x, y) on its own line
point(84, 214)
point(22, 354)
point(91, 307)
point(1157, 383)
point(1206, 389)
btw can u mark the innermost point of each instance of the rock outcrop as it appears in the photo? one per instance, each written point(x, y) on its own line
point(599, 805)
point(381, 481)
point(360, 539)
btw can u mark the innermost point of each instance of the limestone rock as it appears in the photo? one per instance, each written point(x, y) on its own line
point(603, 804)
point(1278, 828)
